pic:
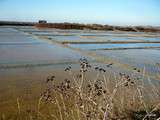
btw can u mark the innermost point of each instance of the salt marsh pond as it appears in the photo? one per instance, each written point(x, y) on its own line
point(28, 55)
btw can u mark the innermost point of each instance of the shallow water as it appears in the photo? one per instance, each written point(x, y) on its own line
point(127, 38)
point(26, 58)
point(19, 48)
point(145, 49)
point(139, 58)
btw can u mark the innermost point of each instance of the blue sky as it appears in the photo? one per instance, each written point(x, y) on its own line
point(113, 12)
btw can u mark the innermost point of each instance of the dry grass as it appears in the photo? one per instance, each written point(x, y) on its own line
point(127, 97)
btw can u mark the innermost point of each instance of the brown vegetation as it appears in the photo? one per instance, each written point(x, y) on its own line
point(96, 27)
point(44, 24)
point(125, 98)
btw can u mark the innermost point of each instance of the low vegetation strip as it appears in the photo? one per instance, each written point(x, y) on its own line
point(107, 42)
point(16, 23)
point(27, 65)
point(127, 48)
point(96, 27)
point(53, 34)
point(19, 43)
point(82, 26)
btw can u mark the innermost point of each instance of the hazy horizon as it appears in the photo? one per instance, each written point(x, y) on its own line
point(112, 12)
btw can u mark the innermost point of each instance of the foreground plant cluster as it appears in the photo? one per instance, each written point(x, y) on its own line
point(126, 97)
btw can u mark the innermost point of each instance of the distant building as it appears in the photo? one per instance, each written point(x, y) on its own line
point(42, 21)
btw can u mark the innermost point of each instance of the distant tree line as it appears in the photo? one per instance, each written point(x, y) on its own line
point(16, 23)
